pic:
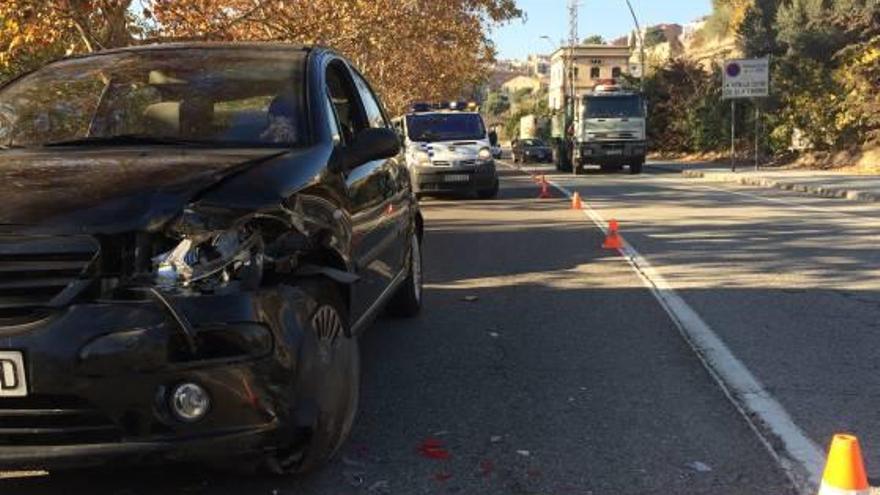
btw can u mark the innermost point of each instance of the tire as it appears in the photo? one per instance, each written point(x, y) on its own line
point(327, 385)
point(407, 301)
point(491, 193)
point(562, 158)
point(636, 168)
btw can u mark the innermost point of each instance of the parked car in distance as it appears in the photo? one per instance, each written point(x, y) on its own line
point(497, 152)
point(193, 236)
point(531, 150)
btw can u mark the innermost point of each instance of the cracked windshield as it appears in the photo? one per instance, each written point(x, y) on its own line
point(470, 247)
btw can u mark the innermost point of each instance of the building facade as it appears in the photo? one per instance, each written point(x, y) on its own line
point(592, 63)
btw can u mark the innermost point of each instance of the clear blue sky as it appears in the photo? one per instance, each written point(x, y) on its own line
point(608, 18)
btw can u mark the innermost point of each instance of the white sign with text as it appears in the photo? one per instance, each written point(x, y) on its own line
point(746, 78)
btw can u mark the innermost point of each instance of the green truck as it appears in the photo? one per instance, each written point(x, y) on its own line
point(607, 128)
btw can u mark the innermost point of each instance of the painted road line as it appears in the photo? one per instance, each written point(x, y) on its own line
point(800, 458)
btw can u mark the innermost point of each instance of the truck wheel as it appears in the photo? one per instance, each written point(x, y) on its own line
point(562, 158)
point(636, 168)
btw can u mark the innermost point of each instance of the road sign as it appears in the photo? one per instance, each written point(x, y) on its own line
point(746, 78)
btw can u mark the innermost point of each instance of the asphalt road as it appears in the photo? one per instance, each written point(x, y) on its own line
point(544, 366)
point(788, 282)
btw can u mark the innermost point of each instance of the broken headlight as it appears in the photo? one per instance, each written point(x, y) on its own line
point(210, 260)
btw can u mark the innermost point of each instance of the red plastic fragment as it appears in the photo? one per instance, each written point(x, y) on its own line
point(486, 467)
point(442, 476)
point(433, 448)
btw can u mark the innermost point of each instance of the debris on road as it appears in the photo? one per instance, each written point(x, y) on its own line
point(699, 467)
point(524, 453)
point(355, 478)
point(442, 476)
point(486, 467)
point(381, 487)
point(348, 461)
point(470, 299)
point(494, 335)
point(433, 448)
point(496, 438)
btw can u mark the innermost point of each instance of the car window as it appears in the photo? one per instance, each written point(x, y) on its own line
point(332, 121)
point(230, 96)
point(371, 103)
point(351, 115)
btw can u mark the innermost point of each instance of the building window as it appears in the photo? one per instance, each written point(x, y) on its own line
point(575, 72)
point(615, 72)
point(595, 73)
point(596, 61)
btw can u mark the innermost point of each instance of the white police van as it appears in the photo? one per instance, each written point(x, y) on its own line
point(448, 151)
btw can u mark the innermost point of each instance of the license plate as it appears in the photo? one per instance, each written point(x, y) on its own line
point(614, 152)
point(456, 178)
point(12, 377)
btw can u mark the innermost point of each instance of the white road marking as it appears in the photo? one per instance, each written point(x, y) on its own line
point(799, 457)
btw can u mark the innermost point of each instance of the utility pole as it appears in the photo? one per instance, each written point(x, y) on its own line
point(571, 85)
point(641, 38)
point(572, 43)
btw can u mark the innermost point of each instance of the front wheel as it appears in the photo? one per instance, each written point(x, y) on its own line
point(636, 168)
point(327, 385)
point(407, 302)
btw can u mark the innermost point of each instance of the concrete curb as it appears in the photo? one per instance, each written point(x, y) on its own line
point(816, 190)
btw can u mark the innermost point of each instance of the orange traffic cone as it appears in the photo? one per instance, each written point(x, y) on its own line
point(545, 190)
point(576, 203)
point(613, 240)
point(845, 470)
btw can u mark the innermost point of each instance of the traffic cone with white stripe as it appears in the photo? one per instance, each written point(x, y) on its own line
point(576, 203)
point(845, 470)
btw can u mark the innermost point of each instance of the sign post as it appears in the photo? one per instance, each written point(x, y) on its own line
point(744, 78)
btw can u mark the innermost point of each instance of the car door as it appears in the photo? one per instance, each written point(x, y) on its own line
point(396, 176)
point(367, 190)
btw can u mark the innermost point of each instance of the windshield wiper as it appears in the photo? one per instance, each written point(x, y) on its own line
point(128, 139)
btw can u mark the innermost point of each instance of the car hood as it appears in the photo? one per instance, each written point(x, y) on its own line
point(76, 190)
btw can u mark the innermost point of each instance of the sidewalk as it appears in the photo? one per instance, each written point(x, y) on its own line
point(828, 184)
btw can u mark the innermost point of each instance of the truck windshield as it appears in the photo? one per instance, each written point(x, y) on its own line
point(608, 107)
point(445, 127)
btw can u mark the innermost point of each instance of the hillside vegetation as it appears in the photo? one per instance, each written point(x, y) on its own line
point(825, 75)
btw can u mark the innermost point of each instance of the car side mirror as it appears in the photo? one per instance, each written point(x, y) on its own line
point(368, 145)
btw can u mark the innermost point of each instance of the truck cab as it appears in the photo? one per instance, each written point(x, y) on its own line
point(610, 130)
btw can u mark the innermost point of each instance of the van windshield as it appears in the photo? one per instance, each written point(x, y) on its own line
point(445, 127)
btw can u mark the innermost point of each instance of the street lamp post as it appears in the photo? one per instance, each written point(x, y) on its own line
point(641, 45)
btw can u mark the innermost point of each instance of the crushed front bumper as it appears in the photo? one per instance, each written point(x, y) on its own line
point(455, 179)
point(99, 377)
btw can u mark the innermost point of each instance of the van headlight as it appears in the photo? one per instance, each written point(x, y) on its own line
point(210, 260)
point(485, 154)
point(422, 158)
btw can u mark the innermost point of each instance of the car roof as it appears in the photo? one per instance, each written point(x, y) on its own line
point(207, 45)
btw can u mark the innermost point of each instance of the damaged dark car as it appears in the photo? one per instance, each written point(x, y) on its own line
point(192, 237)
